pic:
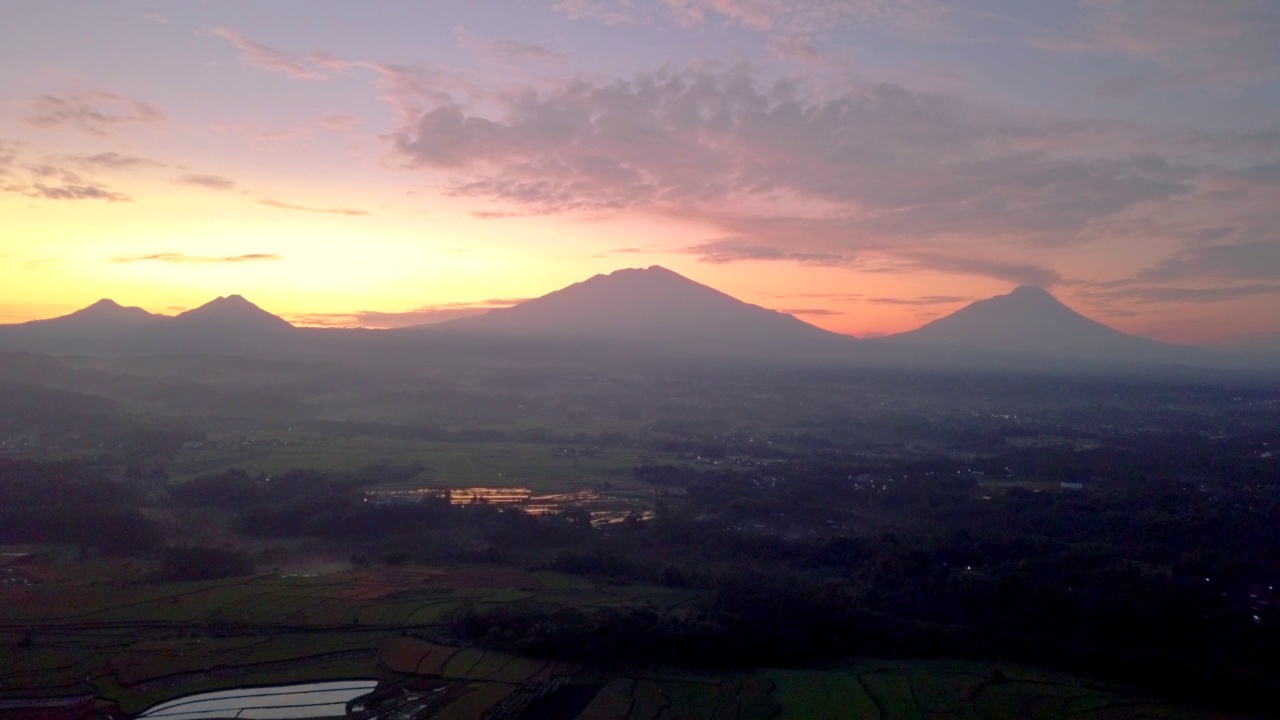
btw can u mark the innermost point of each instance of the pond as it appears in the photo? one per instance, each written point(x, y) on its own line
point(306, 700)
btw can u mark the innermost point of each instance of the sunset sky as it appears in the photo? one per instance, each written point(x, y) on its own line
point(865, 164)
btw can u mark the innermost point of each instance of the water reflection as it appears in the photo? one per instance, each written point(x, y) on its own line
point(281, 702)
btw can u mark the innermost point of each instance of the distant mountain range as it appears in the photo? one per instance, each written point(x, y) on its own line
point(227, 325)
point(633, 313)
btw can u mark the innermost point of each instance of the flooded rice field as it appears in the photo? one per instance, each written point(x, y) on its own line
point(280, 702)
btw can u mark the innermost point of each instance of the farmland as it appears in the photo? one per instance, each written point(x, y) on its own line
point(675, 544)
point(133, 647)
point(537, 466)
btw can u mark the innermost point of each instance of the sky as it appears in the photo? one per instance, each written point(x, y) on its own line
point(867, 165)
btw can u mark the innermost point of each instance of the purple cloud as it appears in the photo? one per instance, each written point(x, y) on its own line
point(213, 182)
point(96, 112)
point(182, 258)
point(1193, 40)
point(112, 161)
point(331, 210)
point(264, 57)
point(425, 315)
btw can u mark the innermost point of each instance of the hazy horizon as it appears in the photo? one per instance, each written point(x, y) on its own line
point(370, 320)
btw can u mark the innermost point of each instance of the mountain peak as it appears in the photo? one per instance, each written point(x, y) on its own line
point(231, 301)
point(1030, 320)
point(103, 313)
point(655, 308)
point(653, 273)
point(1030, 291)
point(233, 311)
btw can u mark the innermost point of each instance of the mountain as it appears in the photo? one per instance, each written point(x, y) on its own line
point(231, 313)
point(227, 325)
point(1030, 322)
point(102, 315)
point(658, 309)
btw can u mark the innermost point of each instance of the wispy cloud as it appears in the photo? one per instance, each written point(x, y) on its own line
point(213, 182)
point(183, 258)
point(304, 208)
point(52, 182)
point(112, 161)
point(265, 57)
point(791, 16)
point(918, 301)
point(1192, 40)
point(1258, 260)
point(609, 13)
point(1213, 294)
point(46, 265)
point(720, 252)
point(340, 123)
point(76, 191)
point(815, 312)
point(508, 51)
point(425, 315)
point(96, 112)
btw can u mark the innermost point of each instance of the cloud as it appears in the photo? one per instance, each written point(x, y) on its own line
point(182, 258)
point(918, 301)
point(213, 182)
point(425, 315)
point(816, 312)
point(721, 252)
point(1247, 260)
point(95, 112)
point(609, 13)
point(8, 156)
point(1122, 87)
point(1193, 40)
point(264, 57)
point(696, 136)
point(508, 51)
point(331, 210)
point(407, 88)
point(1020, 273)
point(51, 182)
point(74, 191)
point(877, 175)
point(46, 265)
point(340, 123)
point(1190, 294)
point(112, 161)
point(810, 17)
point(801, 51)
